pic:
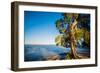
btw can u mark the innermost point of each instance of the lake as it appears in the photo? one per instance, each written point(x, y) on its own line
point(45, 52)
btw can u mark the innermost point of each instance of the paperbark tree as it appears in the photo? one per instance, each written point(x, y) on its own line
point(67, 27)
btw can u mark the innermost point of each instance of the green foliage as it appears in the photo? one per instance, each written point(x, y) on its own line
point(79, 33)
point(87, 37)
point(83, 33)
point(68, 56)
point(58, 24)
point(67, 19)
point(60, 40)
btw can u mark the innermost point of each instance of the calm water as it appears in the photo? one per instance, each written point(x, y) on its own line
point(41, 52)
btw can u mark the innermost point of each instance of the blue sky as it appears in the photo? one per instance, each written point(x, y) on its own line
point(39, 27)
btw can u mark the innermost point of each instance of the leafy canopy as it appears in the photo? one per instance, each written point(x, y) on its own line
point(82, 31)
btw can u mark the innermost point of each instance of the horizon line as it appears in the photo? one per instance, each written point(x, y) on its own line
point(39, 44)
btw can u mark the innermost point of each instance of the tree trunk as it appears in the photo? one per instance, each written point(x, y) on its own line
point(73, 49)
point(73, 40)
